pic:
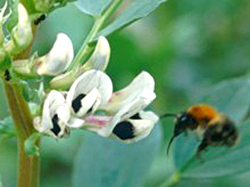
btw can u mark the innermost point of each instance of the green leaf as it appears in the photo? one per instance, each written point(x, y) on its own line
point(231, 97)
point(30, 145)
point(6, 63)
point(184, 149)
point(13, 20)
point(106, 162)
point(136, 10)
point(7, 129)
point(222, 161)
point(1, 183)
point(93, 8)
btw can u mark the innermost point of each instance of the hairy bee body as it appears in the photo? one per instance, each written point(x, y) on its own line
point(216, 129)
point(220, 132)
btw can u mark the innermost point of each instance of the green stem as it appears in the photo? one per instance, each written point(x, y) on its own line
point(28, 166)
point(98, 24)
point(176, 176)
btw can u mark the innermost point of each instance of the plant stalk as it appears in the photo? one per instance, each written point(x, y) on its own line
point(98, 24)
point(28, 166)
point(176, 176)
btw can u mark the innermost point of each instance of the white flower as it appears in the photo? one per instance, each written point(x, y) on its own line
point(135, 128)
point(140, 89)
point(59, 57)
point(90, 91)
point(21, 35)
point(55, 117)
point(100, 57)
point(130, 130)
point(129, 101)
point(93, 90)
point(127, 122)
point(98, 60)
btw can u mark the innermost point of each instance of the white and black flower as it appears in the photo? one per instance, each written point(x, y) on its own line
point(89, 92)
point(58, 59)
point(129, 101)
point(127, 122)
point(55, 117)
point(136, 127)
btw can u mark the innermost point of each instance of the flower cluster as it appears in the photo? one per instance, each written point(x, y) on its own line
point(90, 102)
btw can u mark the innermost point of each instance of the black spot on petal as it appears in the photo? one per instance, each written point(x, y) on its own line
point(76, 103)
point(90, 110)
point(56, 128)
point(124, 130)
point(136, 116)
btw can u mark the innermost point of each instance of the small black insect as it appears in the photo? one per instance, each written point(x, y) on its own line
point(7, 75)
point(40, 19)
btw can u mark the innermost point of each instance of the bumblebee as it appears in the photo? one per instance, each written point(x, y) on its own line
point(216, 129)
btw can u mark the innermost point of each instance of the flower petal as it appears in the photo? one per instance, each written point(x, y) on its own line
point(141, 86)
point(133, 130)
point(95, 123)
point(55, 116)
point(59, 57)
point(21, 35)
point(128, 110)
point(91, 90)
point(84, 104)
point(75, 123)
point(100, 57)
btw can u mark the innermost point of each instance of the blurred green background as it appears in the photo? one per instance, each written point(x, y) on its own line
point(186, 45)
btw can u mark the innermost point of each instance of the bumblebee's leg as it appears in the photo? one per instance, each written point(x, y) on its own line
point(199, 133)
point(203, 145)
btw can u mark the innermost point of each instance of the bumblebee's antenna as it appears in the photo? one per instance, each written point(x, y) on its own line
point(168, 115)
point(169, 144)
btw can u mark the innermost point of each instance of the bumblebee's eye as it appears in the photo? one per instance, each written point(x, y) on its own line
point(188, 121)
point(184, 119)
point(185, 122)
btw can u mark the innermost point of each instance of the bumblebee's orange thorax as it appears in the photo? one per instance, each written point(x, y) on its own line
point(202, 112)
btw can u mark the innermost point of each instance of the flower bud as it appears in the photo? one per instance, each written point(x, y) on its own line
point(64, 81)
point(43, 5)
point(99, 61)
point(100, 57)
point(21, 35)
point(25, 66)
point(58, 59)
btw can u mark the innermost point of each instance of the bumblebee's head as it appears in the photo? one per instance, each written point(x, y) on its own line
point(183, 122)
